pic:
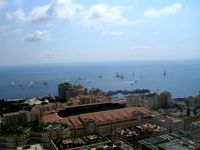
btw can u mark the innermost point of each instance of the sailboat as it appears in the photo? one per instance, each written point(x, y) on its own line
point(31, 84)
point(164, 73)
point(117, 75)
point(121, 76)
point(45, 82)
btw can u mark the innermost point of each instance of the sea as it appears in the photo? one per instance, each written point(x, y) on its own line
point(180, 77)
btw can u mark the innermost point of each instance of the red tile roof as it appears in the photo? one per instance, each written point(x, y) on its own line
point(116, 115)
point(103, 117)
point(51, 118)
point(73, 122)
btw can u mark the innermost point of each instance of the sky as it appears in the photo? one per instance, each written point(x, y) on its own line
point(66, 31)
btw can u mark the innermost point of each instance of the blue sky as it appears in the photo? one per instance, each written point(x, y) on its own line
point(62, 31)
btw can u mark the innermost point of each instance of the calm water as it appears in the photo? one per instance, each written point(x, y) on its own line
point(182, 77)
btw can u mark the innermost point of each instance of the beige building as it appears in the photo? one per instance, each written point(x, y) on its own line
point(170, 123)
point(175, 124)
point(189, 120)
point(134, 100)
point(104, 122)
point(44, 137)
point(151, 100)
point(39, 110)
point(87, 99)
point(14, 118)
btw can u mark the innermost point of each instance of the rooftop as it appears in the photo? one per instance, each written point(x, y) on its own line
point(14, 113)
point(89, 141)
point(89, 108)
point(153, 143)
point(173, 146)
point(51, 118)
point(31, 147)
point(103, 117)
point(177, 140)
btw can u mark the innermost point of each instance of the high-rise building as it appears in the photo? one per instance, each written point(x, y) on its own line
point(165, 99)
point(67, 90)
point(63, 92)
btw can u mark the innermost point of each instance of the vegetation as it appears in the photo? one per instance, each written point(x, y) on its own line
point(13, 106)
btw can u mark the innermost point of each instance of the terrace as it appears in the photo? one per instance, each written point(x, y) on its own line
point(85, 142)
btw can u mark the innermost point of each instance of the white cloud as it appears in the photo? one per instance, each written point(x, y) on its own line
point(39, 14)
point(112, 34)
point(64, 9)
point(58, 9)
point(173, 9)
point(37, 36)
point(100, 15)
point(18, 15)
point(3, 3)
point(96, 16)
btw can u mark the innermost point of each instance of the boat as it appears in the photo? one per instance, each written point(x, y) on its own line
point(31, 84)
point(100, 76)
point(88, 80)
point(21, 84)
point(135, 81)
point(45, 82)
